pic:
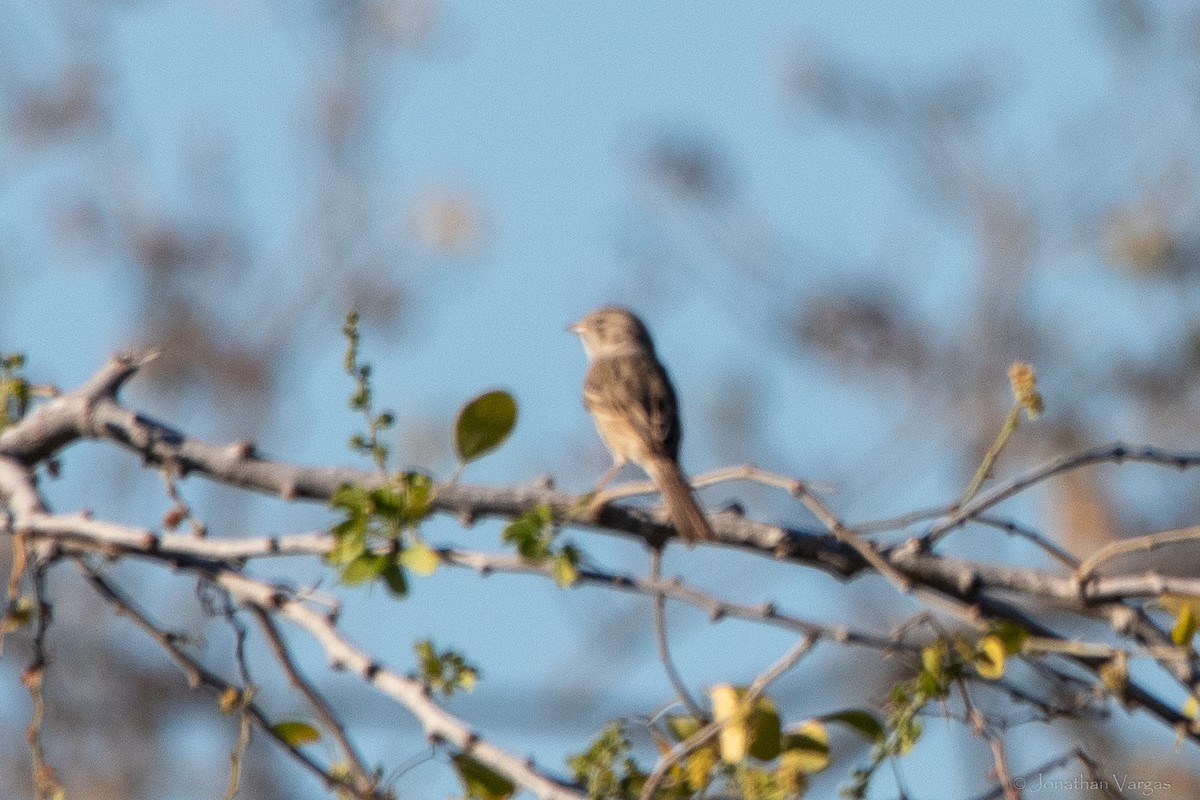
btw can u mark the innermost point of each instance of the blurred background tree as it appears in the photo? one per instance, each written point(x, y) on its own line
point(843, 223)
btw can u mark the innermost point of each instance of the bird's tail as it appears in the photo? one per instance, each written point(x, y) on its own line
point(690, 522)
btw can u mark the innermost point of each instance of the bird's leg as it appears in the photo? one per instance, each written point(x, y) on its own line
point(597, 496)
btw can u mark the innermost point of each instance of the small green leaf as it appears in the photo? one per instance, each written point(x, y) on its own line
point(350, 542)
point(394, 580)
point(989, 658)
point(1012, 635)
point(765, 730)
point(417, 495)
point(366, 567)
point(296, 733)
point(420, 558)
point(682, 726)
point(565, 570)
point(354, 499)
point(907, 735)
point(1185, 626)
point(699, 766)
point(806, 748)
point(483, 424)
point(532, 533)
point(445, 672)
point(479, 781)
point(864, 723)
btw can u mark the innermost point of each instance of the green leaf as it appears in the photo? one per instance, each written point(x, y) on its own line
point(864, 723)
point(1185, 626)
point(532, 533)
point(605, 768)
point(350, 542)
point(386, 500)
point(366, 567)
point(1012, 635)
point(394, 580)
point(417, 497)
point(765, 730)
point(806, 747)
point(906, 735)
point(989, 658)
point(699, 766)
point(565, 570)
point(483, 424)
point(445, 672)
point(296, 733)
point(682, 726)
point(479, 781)
point(354, 499)
point(420, 558)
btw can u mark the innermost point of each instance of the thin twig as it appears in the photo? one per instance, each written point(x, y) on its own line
point(850, 537)
point(197, 676)
point(1136, 544)
point(740, 472)
point(320, 707)
point(1115, 453)
point(660, 630)
point(712, 729)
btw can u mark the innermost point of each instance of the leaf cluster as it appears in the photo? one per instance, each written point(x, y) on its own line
point(446, 671)
point(378, 537)
point(752, 756)
point(533, 535)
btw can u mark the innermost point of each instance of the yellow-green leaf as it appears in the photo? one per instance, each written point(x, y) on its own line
point(683, 726)
point(698, 768)
point(420, 558)
point(933, 657)
point(394, 580)
point(790, 776)
point(1114, 673)
point(1191, 707)
point(481, 782)
point(989, 658)
point(565, 571)
point(1185, 625)
point(483, 424)
point(1012, 635)
point(728, 709)
point(365, 567)
point(296, 733)
point(765, 730)
point(864, 723)
point(806, 747)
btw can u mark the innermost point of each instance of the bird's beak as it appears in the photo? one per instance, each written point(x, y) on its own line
point(575, 328)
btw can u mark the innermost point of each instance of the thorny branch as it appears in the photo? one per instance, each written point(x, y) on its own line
point(978, 593)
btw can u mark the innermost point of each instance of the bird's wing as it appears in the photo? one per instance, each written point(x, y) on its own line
point(636, 391)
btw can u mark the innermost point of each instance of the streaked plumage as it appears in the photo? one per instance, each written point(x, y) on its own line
point(630, 397)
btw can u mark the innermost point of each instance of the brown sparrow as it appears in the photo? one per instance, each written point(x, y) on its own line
point(631, 399)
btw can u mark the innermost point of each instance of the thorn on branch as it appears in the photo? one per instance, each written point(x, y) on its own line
point(241, 450)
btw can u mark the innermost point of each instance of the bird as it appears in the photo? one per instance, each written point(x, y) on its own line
point(631, 399)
